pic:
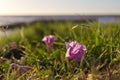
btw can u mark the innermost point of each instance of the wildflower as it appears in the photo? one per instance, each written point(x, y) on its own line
point(14, 66)
point(19, 69)
point(49, 40)
point(75, 50)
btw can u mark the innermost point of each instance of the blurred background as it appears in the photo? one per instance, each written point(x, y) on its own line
point(17, 12)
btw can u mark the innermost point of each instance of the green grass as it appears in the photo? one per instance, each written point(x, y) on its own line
point(101, 61)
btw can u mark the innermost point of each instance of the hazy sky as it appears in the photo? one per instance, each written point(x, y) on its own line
point(46, 7)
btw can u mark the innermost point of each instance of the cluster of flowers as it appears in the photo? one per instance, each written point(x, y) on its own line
point(75, 50)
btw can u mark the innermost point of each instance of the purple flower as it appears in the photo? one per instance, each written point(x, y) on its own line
point(19, 69)
point(24, 69)
point(75, 50)
point(49, 40)
point(14, 66)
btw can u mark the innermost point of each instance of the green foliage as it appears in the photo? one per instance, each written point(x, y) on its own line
point(102, 56)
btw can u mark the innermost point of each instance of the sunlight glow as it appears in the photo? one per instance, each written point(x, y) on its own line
point(46, 7)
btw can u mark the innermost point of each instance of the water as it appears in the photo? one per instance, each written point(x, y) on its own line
point(107, 19)
point(6, 20)
point(26, 19)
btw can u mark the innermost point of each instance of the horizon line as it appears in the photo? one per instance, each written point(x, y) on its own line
point(59, 14)
point(55, 14)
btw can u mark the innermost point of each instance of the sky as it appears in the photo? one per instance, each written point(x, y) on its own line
point(59, 7)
